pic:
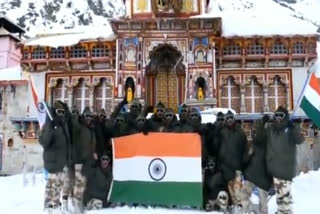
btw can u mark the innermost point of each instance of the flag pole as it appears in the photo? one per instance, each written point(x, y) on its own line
point(303, 89)
point(47, 110)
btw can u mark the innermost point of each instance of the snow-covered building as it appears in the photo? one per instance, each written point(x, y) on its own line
point(17, 137)
point(178, 52)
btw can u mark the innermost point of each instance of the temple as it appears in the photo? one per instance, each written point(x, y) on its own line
point(169, 51)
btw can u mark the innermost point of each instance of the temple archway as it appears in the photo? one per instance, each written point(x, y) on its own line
point(165, 76)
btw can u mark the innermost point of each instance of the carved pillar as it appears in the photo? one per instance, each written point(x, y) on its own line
point(91, 96)
point(242, 95)
point(70, 95)
point(219, 94)
point(49, 96)
point(287, 96)
point(266, 97)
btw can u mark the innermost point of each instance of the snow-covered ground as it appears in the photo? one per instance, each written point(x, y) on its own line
point(16, 198)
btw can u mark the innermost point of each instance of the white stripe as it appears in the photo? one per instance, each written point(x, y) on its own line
point(179, 169)
point(312, 96)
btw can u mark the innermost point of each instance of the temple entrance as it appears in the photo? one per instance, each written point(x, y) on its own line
point(165, 77)
point(167, 89)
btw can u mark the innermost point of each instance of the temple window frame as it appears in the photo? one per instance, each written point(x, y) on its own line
point(279, 48)
point(38, 53)
point(78, 51)
point(57, 53)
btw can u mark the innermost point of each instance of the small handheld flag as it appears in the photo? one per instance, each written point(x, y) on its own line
point(41, 106)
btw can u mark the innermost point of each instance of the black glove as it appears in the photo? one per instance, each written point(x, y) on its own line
point(265, 119)
point(123, 102)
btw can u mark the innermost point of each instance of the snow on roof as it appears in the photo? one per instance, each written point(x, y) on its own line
point(215, 111)
point(262, 18)
point(13, 73)
point(72, 37)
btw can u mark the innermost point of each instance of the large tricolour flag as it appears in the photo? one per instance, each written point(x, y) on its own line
point(310, 98)
point(40, 105)
point(157, 169)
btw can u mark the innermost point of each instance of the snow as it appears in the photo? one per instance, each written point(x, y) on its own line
point(72, 37)
point(13, 73)
point(265, 18)
point(46, 15)
point(17, 198)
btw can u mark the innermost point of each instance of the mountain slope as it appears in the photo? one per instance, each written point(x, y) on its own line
point(57, 15)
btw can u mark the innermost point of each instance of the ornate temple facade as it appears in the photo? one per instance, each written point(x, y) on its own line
point(166, 51)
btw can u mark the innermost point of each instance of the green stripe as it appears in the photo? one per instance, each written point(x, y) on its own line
point(157, 193)
point(311, 111)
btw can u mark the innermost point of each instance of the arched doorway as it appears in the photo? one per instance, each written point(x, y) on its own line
point(165, 76)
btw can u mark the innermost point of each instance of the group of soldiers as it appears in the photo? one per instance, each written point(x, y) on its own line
point(77, 155)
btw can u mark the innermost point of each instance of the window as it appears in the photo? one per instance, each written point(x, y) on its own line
point(100, 51)
point(81, 95)
point(10, 143)
point(276, 94)
point(103, 96)
point(57, 53)
point(298, 48)
point(232, 50)
point(78, 51)
point(279, 48)
point(60, 92)
point(39, 53)
point(131, 55)
point(200, 57)
point(254, 96)
point(230, 95)
point(255, 49)
point(312, 48)
point(25, 55)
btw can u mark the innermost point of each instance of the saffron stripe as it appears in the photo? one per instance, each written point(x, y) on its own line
point(158, 145)
point(315, 83)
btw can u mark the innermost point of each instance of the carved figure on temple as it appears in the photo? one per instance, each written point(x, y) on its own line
point(166, 5)
point(129, 90)
point(200, 88)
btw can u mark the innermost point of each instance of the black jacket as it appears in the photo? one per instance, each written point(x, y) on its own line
point(98, 184)
point(282, 143)
point(233, 151)
point(84, 142)
point(256, 169)
point(54, 139)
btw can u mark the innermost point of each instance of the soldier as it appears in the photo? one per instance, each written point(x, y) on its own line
point(170, 122)
point(55, 139)
point(255, 172)
point(102, 135)
point(69, 179)
point(232, 156)
point(84, 154)
point(183, 115)
point(156, 120)
point(282, 138)
point(99, 179)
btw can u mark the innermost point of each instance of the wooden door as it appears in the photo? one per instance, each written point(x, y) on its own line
point(167, 89)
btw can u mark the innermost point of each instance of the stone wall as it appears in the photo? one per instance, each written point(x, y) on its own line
point(15, 149)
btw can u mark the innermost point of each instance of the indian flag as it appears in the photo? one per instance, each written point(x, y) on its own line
point(310, 101)
point(157, 169)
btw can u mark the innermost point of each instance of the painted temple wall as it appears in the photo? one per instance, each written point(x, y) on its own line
point(9, 54)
